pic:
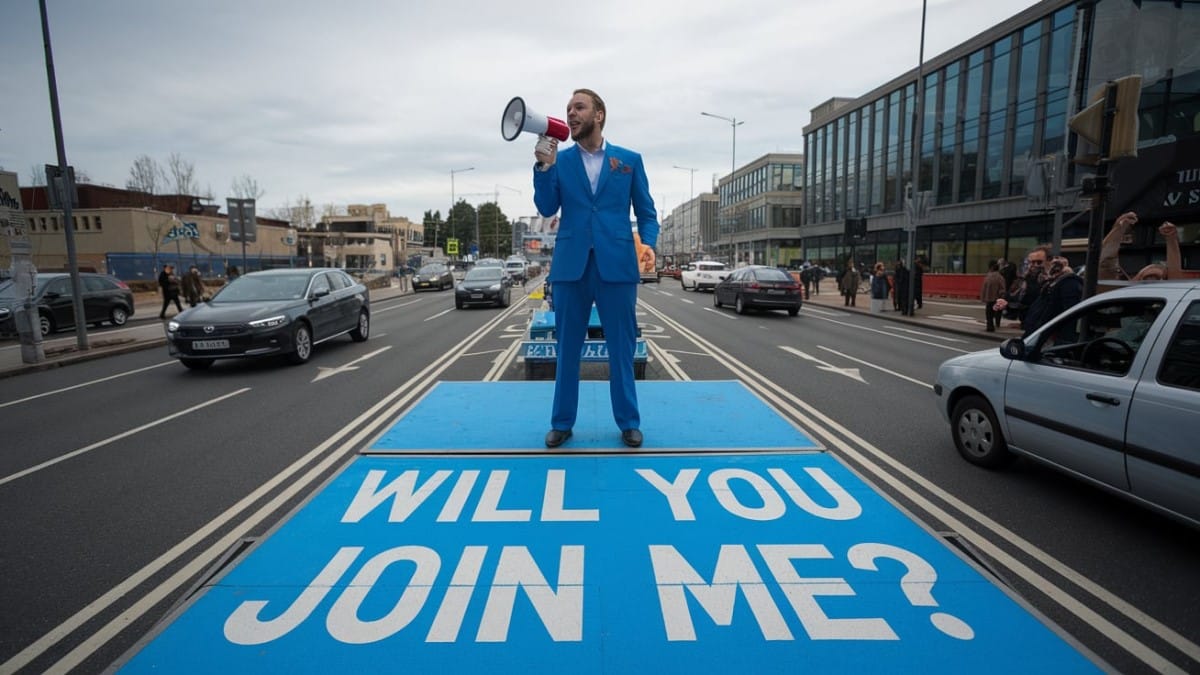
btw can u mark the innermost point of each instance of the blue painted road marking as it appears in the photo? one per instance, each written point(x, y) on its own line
point(763, 563)
point(514, 417)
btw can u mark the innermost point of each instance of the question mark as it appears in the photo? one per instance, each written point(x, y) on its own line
point(917, 583)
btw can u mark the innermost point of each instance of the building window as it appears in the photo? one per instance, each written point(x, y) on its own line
point(949, 129)
point(97, 223)
point(1025, 129)
point(997, 117)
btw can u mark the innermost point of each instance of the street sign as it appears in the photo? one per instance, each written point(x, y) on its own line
point(60, 188)
point(242, 223)
point(451, 246)
point(681, 562)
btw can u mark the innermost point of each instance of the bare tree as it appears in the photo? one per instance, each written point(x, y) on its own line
point(245, 187)
point(182, 174)
point(146, 175)
point(37, 175)
point(300, 214)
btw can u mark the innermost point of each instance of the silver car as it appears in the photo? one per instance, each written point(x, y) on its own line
point(1108, 392)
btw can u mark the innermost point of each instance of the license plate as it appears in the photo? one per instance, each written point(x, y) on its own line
point(477, 296)
point(210, 344)
point(775, 291)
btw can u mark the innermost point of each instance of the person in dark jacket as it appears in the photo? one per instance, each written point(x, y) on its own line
point(992, 290)
point(1046, 291)
point(193, 286)
point(169, 285)
point(849, 284)
point(879, 288)
point(900, 281)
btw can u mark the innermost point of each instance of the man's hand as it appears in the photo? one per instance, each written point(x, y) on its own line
point(647, 261)
point(546, 151)
point(1168, 230)
point(1126, 220)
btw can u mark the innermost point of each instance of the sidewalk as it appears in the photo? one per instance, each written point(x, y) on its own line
point(945, 314)
point(143, 331)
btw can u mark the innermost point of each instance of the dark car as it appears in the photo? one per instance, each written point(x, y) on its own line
point(484, 285)
point(283, 311)
point(433, 276)
point(759, 287)
point(105, 298)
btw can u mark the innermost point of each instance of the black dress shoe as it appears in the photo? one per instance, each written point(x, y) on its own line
point(632, 438)
point(556, 437)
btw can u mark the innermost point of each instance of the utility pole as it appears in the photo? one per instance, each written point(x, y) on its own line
point(917, 198)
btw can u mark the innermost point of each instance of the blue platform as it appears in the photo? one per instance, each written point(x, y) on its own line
point(598, 561)
point(508, 417)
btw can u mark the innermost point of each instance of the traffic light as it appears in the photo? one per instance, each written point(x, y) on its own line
point(1088, 123)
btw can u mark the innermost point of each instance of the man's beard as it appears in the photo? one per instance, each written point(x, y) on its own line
point(585, 130)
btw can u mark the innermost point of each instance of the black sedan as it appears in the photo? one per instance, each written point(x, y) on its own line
point(285, 311)
point(433, 276)
point(484, 286)
point(759, 287)
point(105, 298)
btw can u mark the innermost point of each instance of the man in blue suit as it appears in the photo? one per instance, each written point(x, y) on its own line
point(595, 184)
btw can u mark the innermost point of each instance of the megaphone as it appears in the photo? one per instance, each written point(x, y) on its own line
point(518, 118)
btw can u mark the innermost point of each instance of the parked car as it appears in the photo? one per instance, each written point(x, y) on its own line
point(484, 285)
point(282, 311)
point(1108, 392)
point(759, 287)
point(105, 298)
point(433, 276)
point(702, 274)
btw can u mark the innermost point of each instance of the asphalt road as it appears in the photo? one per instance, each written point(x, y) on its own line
point(125, 479)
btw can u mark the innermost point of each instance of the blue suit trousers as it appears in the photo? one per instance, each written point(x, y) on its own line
point(616, 305)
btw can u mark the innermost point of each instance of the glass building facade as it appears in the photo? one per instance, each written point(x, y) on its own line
point(992, 108)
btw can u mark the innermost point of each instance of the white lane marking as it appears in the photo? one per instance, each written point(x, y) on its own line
point(442, 313)
point(880, 368)
point(810, 309)
point(670, 362)
point(895, 336)
point(324, 372)
point(851, 373)
point(381, 310)
point(936, 336)
point(688, 301)
point(502, 360)
point(125, 434)
point(84, 384)
point(731, 317)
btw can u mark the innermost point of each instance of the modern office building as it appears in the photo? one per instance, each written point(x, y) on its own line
point(690, 230)
point(994, 145)
point(760, 212)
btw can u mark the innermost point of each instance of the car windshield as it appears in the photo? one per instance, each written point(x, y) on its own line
point(251, 288)
point(430, 269)
point(8, 288)
point(484, 274)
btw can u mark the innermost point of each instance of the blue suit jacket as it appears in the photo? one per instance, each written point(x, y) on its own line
point(600, 221)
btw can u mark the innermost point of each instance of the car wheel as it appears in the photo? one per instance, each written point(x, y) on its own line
point(46, 324)
point(118, 316)
point(363, 330)
point(196, 364)
point(793, 311)
point(716, 299)
point(739, 305)
point(302, 344)
point(977, 433)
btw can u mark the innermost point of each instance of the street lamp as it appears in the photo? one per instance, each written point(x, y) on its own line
point(450, 219)
point(733, 124)
point(497, 215)
point(691, 195)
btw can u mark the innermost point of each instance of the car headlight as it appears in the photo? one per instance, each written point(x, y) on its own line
point(172, 326)
point(269, 322)
point(494, 287)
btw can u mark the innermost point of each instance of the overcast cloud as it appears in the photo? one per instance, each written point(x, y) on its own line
point(377, 101)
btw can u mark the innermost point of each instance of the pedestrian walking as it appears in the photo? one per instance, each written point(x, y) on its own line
point(193, 286)
point(849, 285)
point(168, 283)
point(879, 289)
point(992, 290)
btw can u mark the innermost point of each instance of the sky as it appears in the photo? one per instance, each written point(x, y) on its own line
point(379, 101)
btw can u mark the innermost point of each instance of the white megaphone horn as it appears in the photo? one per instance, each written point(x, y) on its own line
point(518, 118)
